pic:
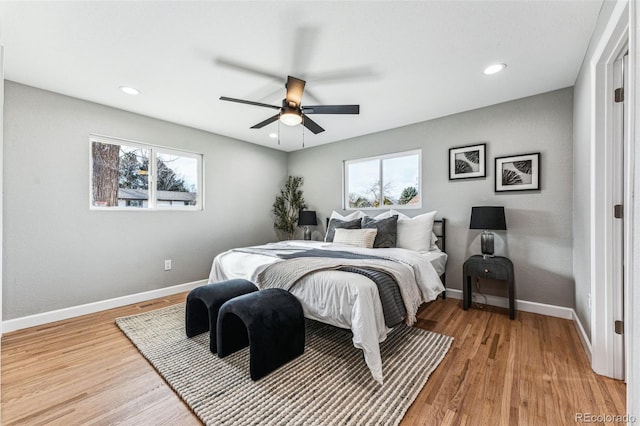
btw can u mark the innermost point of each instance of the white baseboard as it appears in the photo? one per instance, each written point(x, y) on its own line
point(90, 308)
point(522, 305)
point(583, 335)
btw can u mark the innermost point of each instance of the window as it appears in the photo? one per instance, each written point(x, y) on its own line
point(388, 180)
point(132, 175)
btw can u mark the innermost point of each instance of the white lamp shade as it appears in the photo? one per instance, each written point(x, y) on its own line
point(291, 118)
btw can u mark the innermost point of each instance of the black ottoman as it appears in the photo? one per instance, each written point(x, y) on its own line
point(270, 321)
point(203, 304)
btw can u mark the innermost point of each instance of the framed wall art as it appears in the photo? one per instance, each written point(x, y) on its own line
point(518, 172)
point(468, 162)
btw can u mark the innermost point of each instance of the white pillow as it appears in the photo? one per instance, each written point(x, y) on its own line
point(401, 216)
point(355, 237)
point(434, 240)
point(415, 233)
point(358, 214)
point(385, 215)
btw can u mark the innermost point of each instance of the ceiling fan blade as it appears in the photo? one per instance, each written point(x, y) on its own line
point(295, 87)
point(265, 122)
point(247, 68)
point(311, 125)
point(242, 101)
point(331, 109)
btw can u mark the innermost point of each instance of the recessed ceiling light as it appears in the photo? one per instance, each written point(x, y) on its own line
point(130, 90)
point(273, 135)
point(492, 69)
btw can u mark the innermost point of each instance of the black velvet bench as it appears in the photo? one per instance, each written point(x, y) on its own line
point(270, 322)
point(203, 304)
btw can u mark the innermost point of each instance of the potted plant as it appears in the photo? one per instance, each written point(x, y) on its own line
point(287, 206)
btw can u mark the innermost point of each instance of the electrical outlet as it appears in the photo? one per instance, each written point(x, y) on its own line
point(167, 265)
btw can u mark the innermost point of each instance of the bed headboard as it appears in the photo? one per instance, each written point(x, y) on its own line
point(439, 228)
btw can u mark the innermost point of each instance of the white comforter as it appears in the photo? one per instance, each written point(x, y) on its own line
point(342, 299)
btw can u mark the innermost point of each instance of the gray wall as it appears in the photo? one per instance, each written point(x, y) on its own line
point(582, 199)
point(58, 253)
point(539, 235)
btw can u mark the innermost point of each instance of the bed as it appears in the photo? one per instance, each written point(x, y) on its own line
point(321, 275)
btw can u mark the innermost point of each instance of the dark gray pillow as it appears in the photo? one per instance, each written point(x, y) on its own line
point(337, 223)
point(387, 230)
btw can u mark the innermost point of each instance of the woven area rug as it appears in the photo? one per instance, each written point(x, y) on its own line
point(329, 384)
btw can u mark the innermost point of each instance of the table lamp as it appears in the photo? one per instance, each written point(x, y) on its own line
point(307, 218)
point(487, 218)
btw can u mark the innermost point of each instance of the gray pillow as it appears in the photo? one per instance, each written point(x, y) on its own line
point(337, 223)
point(387, 230)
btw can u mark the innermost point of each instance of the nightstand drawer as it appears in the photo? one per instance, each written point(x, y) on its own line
point(489, 270)
point(494, 272)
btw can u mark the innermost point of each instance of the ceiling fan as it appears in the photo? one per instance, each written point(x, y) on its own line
point(292, 113)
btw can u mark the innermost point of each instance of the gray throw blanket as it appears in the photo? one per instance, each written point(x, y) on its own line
point(285, 275)
point(392, 305)
point(292, 253)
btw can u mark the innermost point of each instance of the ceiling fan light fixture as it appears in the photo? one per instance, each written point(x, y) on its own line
point(492, 69)
point(291, 117)
point(291, 113)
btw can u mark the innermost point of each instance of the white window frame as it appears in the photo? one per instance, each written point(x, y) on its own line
point(345, 180)
point(153, 151)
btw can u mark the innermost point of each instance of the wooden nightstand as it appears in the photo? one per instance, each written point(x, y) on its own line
point(496, 268)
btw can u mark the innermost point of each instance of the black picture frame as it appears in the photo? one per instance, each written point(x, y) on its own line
point(517, 172)
point(468, 162)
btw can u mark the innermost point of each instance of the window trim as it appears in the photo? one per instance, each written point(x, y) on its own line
point(153, 151)
point(345, 180)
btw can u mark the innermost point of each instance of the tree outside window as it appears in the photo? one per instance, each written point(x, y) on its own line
point(392, 180)
point(121, 176)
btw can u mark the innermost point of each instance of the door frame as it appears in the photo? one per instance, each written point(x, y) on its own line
point(605, 360)
point(632, 297)
point(1, 182)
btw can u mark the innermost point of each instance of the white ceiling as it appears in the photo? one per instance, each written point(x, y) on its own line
point(403, 62)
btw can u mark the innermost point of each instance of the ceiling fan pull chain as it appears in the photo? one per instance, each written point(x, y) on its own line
point(278, 132)
point(302, 127)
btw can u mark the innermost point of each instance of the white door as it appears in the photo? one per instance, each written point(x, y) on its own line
point(618, 226)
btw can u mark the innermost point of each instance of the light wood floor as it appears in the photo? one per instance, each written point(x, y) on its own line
point(530, 371)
